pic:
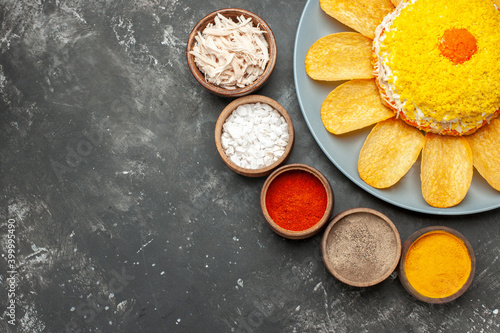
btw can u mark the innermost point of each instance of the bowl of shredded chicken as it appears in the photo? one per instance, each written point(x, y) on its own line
point(231, 52)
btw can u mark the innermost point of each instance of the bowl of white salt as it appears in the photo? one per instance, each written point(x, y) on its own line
point(254, 135)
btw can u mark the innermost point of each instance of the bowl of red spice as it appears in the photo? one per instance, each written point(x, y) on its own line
point(296, 200)
point(437, 264)
point(231, 52)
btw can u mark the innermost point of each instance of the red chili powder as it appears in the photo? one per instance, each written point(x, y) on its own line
point(296, 200)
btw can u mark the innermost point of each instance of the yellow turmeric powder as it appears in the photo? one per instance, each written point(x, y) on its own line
point(437, 264)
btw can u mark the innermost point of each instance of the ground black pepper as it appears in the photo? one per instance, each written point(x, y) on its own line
point(361, 247)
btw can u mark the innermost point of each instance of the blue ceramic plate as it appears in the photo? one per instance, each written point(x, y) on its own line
point(343, 150)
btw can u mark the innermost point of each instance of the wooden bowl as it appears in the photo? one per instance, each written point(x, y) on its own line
point(402, 265)
point(290, 234)
point(232, 13)
point(361, 247)
point(252, 99)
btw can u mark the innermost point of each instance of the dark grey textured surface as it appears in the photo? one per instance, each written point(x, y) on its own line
point(127, 220)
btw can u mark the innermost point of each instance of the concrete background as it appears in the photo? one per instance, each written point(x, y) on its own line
point(124, 215)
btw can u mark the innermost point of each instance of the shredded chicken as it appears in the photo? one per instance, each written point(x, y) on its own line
point(231, 54)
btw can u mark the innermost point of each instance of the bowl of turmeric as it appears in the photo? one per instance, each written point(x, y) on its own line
point(437, 265)
point(297, 201)
point(231, 52)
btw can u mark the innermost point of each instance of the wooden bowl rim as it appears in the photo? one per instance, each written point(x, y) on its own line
point(252, 99)
point(326, 235)
point(330, 202)
point(260, 82)
point(402, 274)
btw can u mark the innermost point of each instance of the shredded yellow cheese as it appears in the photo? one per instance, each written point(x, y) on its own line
point(429, 82)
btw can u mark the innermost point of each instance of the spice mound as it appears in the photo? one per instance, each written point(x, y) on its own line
point(362, 249)
point(254, 136)
point(296, 200)
point(438, 264)
point(231, 54)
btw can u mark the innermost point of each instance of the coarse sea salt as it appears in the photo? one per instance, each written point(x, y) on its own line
point(254, 136)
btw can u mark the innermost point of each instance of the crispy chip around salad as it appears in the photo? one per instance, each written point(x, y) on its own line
point(353, 105)
point(340, 56)
point(361, 15)
point(390, 150)
point(446, 170)
point(486, 152)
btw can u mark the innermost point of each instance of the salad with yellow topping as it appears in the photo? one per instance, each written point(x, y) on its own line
point(426, 74)
point(445, 76)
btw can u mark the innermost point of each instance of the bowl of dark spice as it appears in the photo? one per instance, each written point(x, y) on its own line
point(361, 247)
point(254, 135)
point(231, 52)
point(297, 201)
point(437, 264)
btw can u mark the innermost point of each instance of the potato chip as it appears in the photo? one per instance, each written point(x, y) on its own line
point(390, 150)
point(446, 172)
point(361, 15)
point(340, 56)
point(395, 2)
point(353, 105)
point(486, 152)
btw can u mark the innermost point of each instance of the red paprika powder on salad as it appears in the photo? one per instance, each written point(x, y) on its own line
point(296, 200)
